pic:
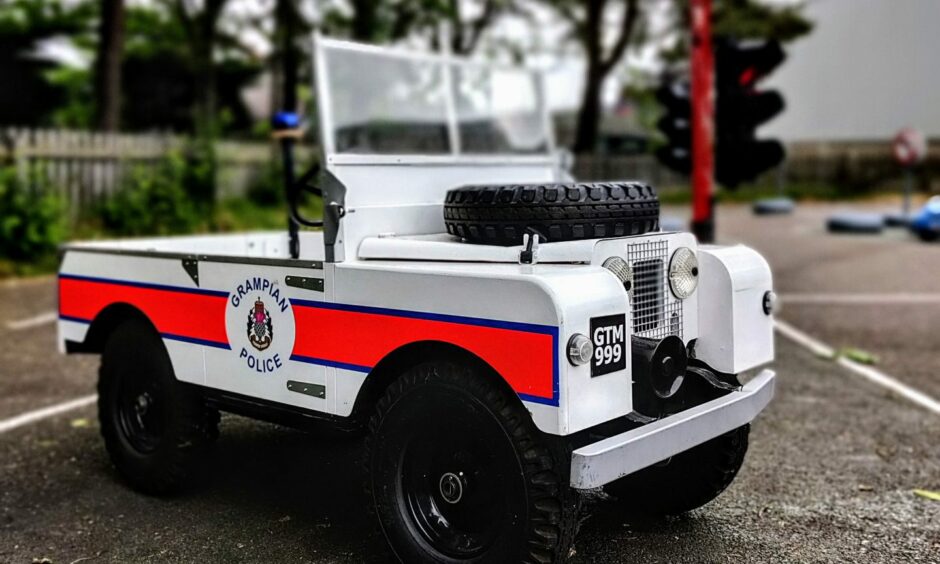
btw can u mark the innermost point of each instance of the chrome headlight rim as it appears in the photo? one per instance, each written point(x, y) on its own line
point(580, 350)
point(621, 269)
point(683, 273)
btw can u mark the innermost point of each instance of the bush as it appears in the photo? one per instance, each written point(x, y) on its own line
point(153, 201)
point(267, 187)
point(32, 223)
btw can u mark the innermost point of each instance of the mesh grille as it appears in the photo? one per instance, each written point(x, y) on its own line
point(656, 312)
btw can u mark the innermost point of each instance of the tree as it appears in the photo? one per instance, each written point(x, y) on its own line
point(108, 65)
point(373, 21)
point(587, 21)
point(200, 22)
point(28, 97)
point(737, 19)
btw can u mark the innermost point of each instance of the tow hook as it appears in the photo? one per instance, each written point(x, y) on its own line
point(713, 380)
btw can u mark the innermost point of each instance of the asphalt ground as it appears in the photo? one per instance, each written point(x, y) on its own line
point(897, 275)
point(829, 476)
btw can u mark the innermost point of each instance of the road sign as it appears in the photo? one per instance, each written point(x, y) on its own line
point(909, 146)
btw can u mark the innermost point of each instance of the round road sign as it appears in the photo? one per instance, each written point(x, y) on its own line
point(909, 146)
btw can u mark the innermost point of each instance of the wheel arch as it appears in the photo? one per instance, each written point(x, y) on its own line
point(398, 361)
point(104, 324)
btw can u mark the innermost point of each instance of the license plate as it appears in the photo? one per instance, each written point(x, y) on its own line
point(608, 334)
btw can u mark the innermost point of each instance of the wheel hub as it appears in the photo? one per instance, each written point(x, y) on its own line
point(451, 487)
point(142, 404)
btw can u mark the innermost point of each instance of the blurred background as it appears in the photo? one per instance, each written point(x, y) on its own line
point(131, 117)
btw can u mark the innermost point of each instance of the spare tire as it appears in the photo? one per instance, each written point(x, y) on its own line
point(500, 215)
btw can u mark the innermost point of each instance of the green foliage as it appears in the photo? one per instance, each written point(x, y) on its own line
point(32, 224)
point(152, 201)
point(77, 111)
point(198, 174)
point(750, 19)
point(27, 97)
point(267, 188)
point(739, 19)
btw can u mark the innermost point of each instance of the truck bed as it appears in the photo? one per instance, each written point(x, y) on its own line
point(259, 244)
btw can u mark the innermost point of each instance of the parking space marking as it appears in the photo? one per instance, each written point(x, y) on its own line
point(867, 372)
point(44, 318)
point(31, 417)
point(861, 299)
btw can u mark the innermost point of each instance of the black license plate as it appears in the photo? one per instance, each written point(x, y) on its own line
point(609, 334)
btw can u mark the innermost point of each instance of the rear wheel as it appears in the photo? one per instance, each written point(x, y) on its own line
point(153, 427)
point(458, 473)
point(686, 481)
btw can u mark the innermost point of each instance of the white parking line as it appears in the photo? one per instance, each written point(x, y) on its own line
point(44, 318)
point(38, 415)
point(861, 299)
point(866, 372)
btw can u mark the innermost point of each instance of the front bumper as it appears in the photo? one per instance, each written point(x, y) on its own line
point(603, 462)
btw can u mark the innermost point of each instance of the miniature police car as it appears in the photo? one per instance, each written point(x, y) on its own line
point(505, 337)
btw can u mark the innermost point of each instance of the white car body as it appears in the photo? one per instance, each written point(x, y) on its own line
point(384, 280)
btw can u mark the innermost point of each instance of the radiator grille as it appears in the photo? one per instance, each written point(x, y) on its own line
point(656, 312)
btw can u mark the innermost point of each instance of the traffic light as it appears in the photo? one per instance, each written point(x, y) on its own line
point(740, 109)
point(676, 125)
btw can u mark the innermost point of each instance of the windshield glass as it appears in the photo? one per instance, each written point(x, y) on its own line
point(386, 103)
point(498, 111)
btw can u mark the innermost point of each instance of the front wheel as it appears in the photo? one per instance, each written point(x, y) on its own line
point(458, 473)
point(686, 481)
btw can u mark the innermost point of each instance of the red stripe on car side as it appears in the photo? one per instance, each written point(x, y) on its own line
point(177, 312)
point(524, 359)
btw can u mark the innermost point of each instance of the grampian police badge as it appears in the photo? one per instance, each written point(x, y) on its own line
point(261, 301)
point(260, 328)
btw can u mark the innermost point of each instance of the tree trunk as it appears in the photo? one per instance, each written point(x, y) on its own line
point(108, 63)
point(590, 113)
point(365, 20)
point(289, 56)
point(207, 21)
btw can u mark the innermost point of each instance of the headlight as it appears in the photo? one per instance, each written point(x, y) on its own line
point(621, 270)
point(683, 272)
point(580, 350)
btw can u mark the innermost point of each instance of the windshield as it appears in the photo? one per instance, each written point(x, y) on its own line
point(498, 111)
point(389, 103)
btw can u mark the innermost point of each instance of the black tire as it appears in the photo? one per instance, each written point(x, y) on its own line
point(687, 481)
point(154, 428)
point(928, 236)
point(500, 215)
point(457, 472)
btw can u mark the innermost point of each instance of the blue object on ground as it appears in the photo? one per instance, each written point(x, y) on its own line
point(926, 223)
point(854, 222)
point(285, 120)
point(898, 219)
point(773, 206)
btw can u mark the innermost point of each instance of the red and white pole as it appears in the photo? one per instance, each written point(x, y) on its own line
point(703, 122)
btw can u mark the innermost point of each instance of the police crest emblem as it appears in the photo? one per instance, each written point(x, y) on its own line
point(260, 328)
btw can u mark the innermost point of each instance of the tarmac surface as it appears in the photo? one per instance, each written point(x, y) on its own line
point(829, 477)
